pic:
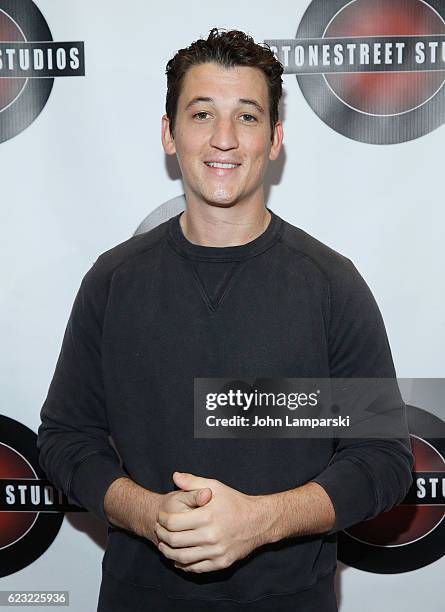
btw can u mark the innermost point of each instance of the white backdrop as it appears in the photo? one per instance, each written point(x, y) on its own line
point(82, 177)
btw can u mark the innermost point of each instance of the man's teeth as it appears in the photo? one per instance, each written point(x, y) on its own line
point(217, 165)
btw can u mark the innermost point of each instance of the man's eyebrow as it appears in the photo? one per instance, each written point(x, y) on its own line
point(254, 103)
point(199, 99)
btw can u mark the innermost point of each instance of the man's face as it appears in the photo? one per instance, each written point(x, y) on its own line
point(223, 117)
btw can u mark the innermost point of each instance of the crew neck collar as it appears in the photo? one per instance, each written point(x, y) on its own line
point(231, 253)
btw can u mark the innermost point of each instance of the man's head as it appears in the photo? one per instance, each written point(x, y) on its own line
point(222, 107)
point(228, 49)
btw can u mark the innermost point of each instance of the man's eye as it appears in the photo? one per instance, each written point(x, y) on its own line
point(250, 118)
point(199, 115)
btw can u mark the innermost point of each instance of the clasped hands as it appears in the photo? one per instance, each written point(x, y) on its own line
point(207, 526)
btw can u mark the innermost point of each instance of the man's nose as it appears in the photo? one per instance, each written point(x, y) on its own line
point(224, 135)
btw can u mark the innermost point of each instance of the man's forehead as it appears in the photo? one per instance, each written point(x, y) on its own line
point(212, 80)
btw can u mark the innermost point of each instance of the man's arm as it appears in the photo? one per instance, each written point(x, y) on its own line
point(366, 476)
point(73, 436)
point(350, 492)
point(302, 511)
point(73, 439)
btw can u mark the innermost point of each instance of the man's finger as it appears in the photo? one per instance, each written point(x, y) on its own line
point(180, 539)
point(180, 521)
point(197, 568)
point(186, 555)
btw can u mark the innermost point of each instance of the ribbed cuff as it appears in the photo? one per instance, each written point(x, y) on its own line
point(91, 480)
point(351, 490)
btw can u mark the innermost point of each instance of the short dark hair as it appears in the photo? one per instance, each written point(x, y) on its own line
point(227, 48)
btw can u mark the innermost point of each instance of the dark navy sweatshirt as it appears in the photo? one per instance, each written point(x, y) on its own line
point(158, 311)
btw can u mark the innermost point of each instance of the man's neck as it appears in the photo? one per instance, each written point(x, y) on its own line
point(218, 227)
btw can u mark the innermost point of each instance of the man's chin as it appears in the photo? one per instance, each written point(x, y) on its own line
point(221, 200)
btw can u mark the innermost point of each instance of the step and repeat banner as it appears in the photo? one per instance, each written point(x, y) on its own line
point(82, 91)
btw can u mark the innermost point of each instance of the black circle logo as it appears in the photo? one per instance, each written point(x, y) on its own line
point(411, 535)
point(25, 531)
point(29, 62)
point(373, 70)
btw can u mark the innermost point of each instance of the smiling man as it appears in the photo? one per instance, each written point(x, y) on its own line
point(223, 144)
point(226, 288)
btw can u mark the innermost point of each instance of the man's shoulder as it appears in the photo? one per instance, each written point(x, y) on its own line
point(327, 261)
point(129, 250)
point(98, 278)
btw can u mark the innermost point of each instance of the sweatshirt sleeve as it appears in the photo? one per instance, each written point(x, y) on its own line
point(73, 445)
point(365, 476)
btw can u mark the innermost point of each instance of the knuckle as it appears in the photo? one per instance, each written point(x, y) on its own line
point(220, 550)
point(168, 523)
point(179, 558)
point(166, 553)
point(173, 540)
point(211, 537)
point(220, 563)
point(184, 558)
point(218, 535)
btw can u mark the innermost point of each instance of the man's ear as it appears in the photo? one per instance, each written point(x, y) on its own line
point(277, 141)
point(168, 142)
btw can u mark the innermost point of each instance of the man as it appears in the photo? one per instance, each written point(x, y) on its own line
point(225, 289)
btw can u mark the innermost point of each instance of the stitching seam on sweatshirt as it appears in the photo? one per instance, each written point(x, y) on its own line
point(321, 272)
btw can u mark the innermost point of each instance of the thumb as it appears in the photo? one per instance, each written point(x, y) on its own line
point(194, 499)
point(203, 496)
point(189, 482)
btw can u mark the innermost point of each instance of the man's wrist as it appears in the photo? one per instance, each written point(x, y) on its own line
point(132, 507)
point(267, 518)
point(305, 510)
point(150, 503)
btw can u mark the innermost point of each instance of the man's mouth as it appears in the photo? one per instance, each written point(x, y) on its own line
point(224, 166)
